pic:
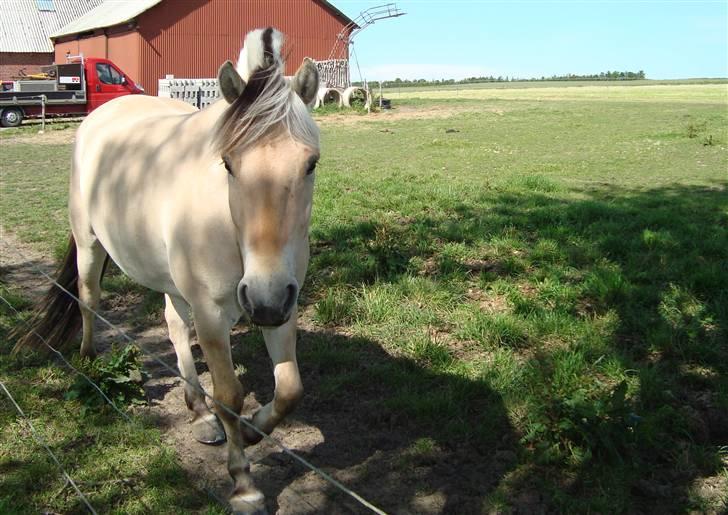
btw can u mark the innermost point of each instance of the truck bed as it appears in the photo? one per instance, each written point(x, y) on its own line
point(34, 97)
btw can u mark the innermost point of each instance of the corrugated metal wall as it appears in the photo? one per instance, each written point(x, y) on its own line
point(94, 46)
point(123, 50)
point(192, 38)
point(61, 49)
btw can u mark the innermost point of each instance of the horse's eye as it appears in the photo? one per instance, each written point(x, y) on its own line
point(227, 166)
point(311, 166)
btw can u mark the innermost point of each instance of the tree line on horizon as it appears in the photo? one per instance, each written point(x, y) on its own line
point(603, 76)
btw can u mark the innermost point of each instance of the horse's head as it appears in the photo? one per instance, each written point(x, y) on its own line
point(269, 145)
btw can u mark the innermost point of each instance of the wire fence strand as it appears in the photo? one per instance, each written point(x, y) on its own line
point(41, 441)
point(328, 478)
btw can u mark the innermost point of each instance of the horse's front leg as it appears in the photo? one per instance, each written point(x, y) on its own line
point(281, 344)
point(213, 333)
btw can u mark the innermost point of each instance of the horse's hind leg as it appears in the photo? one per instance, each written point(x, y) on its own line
point(90, 259)
point(206, 428)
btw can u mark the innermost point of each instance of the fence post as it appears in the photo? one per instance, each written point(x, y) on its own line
point(42, 112)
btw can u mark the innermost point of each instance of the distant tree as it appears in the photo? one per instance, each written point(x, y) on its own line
point(608, 75)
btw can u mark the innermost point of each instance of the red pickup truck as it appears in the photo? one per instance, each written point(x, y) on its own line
point(76, 88)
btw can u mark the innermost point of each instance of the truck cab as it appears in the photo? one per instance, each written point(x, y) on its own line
point(71, 89)
point(105, 81)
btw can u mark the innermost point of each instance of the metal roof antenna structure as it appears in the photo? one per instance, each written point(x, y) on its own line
point(365, 18)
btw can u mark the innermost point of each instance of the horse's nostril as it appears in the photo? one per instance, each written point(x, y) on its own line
point(292, 291)
point(243, 297)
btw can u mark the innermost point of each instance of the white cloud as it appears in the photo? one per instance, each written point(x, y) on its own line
point(420, 71)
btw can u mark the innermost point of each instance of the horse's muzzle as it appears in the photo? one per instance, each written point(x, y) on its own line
point(269, 307)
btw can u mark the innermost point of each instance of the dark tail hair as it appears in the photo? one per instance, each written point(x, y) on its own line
point(57, 318)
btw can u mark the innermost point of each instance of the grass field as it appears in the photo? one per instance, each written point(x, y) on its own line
point(544, 270)
point(454, 88)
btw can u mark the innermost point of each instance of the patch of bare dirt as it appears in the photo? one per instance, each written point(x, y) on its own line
point(49, 137)
point(713, 491)
point(401, 112)
point(488, 302)
point(20, 265)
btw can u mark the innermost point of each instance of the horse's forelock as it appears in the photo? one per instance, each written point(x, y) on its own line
point(254, 89)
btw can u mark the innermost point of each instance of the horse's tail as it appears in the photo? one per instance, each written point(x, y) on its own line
point(57, 318)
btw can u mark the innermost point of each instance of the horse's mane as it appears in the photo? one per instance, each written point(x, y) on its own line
point(267, 107)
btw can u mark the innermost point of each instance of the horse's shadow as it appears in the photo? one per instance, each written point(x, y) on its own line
point(664, 241)
point(404, 459)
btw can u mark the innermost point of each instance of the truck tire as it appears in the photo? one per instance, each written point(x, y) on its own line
point(11, 117)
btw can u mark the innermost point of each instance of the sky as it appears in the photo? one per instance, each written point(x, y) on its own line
point(440, 39)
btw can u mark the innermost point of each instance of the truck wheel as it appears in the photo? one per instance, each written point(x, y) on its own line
point(11, 117)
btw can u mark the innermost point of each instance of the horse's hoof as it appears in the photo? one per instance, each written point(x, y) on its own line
point(248, 504)
point(208, 430)
point(250, 435)
point(89, 354)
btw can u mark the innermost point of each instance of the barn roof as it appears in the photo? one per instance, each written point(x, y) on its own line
point(344, 18)
point(114, 12)
point(108, 14)
point(25, 25)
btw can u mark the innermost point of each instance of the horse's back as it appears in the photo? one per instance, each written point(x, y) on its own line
point(140, 106)
point(126, 168)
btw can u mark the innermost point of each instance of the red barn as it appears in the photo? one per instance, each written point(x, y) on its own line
point(149, 39)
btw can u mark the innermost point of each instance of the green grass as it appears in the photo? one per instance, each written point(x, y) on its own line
point(33, 194)
point(554, 273)
point(453, 89)
point(120, 467)
point(639, 93)
point(575, 242)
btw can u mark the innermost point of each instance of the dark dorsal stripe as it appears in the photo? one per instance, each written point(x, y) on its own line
point(268, 56)
point(260, 76)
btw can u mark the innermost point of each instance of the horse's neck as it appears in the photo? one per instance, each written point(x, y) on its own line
point(206, 119)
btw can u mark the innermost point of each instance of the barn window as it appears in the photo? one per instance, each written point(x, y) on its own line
point(45, 5)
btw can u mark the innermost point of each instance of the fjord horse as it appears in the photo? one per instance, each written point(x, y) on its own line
point(211, 208)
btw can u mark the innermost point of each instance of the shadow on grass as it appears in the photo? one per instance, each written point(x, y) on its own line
point(652, 260)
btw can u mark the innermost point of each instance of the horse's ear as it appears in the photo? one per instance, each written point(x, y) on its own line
point(306, 81)
point(230, 82)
